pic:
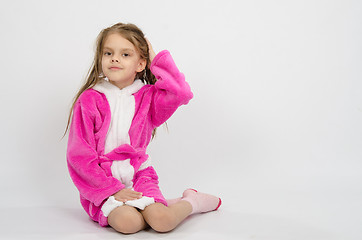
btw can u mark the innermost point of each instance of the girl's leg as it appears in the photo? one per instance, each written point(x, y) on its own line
point(173, 201)
point(126, 219)
point(165, 219)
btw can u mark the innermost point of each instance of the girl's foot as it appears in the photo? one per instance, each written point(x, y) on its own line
point(201, 202)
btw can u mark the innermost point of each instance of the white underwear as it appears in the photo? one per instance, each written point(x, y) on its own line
point(112, 204)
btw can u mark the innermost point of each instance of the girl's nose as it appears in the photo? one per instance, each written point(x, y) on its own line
point(115, 60)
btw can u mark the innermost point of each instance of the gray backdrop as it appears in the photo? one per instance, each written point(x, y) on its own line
point(274, 127)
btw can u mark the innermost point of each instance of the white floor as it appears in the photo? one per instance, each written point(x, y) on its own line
point(277, 217)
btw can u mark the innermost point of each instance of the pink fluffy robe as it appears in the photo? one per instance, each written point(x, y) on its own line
point(90, 168)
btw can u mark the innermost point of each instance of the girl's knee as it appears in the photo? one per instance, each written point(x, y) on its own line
point(126, 222)
point(162, 221)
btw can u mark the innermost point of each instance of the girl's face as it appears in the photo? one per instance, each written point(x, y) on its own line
point(120, 60)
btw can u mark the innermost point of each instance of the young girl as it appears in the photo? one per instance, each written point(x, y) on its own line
point(130, 91)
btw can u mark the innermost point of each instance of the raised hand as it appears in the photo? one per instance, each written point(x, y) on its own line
point(151, 51)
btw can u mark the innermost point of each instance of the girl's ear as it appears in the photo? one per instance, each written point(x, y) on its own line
point(142, 65)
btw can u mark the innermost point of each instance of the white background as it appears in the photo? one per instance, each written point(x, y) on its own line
point(274, 129)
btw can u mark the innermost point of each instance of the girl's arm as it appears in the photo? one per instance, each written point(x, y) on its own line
point(171, 89)
point(82, 157)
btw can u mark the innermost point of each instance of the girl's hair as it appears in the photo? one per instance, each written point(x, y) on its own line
point(133, 34)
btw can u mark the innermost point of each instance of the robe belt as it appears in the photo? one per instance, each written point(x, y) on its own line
point(137, 156)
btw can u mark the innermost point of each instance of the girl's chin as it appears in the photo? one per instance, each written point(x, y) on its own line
point(117, 80)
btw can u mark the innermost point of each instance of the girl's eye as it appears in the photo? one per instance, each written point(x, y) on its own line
point(125, 55)
point(107, 54)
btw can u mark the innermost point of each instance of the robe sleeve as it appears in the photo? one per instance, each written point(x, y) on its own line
point(171, 89)
point(83, 161)
point(146, 181)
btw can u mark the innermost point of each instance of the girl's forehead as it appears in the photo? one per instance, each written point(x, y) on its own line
point(116, 41)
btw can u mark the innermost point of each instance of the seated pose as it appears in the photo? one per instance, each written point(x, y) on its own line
point(129, 92)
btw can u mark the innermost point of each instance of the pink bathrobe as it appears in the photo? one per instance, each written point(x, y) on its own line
point(90, 168)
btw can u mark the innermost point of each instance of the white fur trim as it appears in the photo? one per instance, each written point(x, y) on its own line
point(123, 171)
point(110, 205)
point(141, 203)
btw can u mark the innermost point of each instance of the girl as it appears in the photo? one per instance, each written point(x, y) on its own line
point(129, 92)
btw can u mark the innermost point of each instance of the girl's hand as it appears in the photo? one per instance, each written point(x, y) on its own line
point(151, 51)
point(127, 194)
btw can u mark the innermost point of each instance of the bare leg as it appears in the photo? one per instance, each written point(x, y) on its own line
point(127, 220)
point(165, 219)
point(173, 201)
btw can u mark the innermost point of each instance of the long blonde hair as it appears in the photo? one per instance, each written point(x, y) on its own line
point(133, 34)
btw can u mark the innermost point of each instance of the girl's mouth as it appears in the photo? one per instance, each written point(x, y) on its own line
point(115, 68)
